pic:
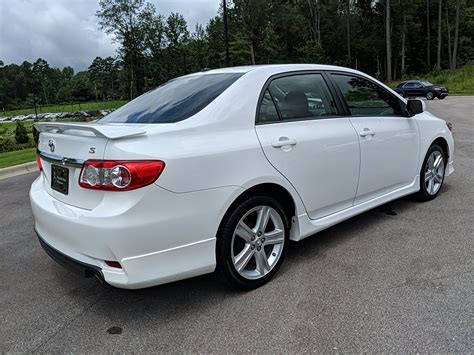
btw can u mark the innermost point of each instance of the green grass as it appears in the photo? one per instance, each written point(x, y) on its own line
point(459, 81)
point(17, 157)
point(85, 106)
point(10, 126)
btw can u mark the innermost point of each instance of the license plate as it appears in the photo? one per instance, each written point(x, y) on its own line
point(60, 179)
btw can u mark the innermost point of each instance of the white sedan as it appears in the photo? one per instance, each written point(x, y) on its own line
point(218, 170)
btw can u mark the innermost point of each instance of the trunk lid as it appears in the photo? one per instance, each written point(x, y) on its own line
point(68, 145)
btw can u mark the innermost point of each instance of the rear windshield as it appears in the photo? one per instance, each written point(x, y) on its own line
point(173, 101)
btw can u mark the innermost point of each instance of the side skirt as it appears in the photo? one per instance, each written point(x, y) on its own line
point(303, 226)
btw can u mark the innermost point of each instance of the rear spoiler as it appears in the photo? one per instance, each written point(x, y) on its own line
point(100, 130)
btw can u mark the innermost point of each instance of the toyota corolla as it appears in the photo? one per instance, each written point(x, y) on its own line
point(218, 170)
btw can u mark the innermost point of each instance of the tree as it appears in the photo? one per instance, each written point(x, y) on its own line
point(438, 54)
point(456, 36)
point(128, 21)
point(21, 134)
point(388, 41)
point(428, 35)
point(348, 28)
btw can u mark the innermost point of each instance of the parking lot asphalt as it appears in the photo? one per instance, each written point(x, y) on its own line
point(380, 281)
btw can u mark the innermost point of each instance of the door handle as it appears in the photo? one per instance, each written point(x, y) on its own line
point(283, 142)
point(366, 132)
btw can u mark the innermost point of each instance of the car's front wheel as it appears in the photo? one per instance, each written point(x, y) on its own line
point(432, 173)
point(252, 242)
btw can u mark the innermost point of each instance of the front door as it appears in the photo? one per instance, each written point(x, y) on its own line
point(389, 141)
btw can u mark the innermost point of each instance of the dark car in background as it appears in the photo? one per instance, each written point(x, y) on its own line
point(418, 88)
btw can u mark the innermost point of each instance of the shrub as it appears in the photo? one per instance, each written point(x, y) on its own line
point(7, 144)
point(21, 133)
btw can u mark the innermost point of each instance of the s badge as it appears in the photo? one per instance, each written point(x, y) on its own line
point(92, 150)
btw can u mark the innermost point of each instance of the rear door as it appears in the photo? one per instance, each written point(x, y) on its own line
point(308, 142)
point(389, 140)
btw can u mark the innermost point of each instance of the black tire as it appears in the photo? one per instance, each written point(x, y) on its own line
point(441, 97)
point(225, 266)
point(424, 195)
point(429, 95)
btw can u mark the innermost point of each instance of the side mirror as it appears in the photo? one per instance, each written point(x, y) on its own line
point(415, 107)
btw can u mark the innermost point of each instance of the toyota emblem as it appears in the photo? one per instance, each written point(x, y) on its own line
point(52, 145)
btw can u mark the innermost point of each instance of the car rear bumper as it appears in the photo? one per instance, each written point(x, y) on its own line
point(156, 235)
point(79, 268)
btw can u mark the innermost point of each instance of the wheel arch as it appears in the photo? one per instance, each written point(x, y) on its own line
point(280, 193)
point(443, 143)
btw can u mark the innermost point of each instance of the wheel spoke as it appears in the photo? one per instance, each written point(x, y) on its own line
point(262, 262)
point(244, 232)
point(431, 161)
point(438, 178)
point(427, 176)
point(262, 219)
point(241, 260)
point(429, 188)
point(438, 161)
point(276, 236)
point(433, 185)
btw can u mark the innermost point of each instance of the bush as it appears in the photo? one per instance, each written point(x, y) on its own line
point(7, 144)
point(21, 133)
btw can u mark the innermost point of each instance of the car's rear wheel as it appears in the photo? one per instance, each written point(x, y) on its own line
point(429, 95)
point(432, 173)
point(252, 242)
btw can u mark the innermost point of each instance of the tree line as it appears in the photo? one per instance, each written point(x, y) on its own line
point(389, 39)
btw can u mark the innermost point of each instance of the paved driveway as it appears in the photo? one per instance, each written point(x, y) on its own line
point(377, 282)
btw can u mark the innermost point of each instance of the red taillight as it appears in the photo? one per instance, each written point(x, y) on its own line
point(38, 160)
point(119, 175)
point(114, 264)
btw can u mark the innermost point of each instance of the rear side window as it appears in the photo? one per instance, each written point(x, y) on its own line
point(302, 96)
point(174, 101)
point(366, 98)
point(267, 112)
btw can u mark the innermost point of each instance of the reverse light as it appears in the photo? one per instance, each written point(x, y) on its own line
point(38, 160)
point(119, 175)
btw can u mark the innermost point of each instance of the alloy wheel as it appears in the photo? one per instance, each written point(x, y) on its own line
point(257, 243)
point(434, 172)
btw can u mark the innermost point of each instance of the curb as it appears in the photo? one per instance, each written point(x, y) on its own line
point(19, 169)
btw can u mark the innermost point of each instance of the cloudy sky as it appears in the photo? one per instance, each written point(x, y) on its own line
point(65, 32)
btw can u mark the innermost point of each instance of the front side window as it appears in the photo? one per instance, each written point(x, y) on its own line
point(303, 96)
point(365, 98)
point(173, 101)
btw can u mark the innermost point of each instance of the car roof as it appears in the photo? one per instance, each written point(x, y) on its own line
point(276, 68)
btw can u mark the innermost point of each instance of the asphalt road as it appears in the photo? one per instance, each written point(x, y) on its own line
point(377, 282)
